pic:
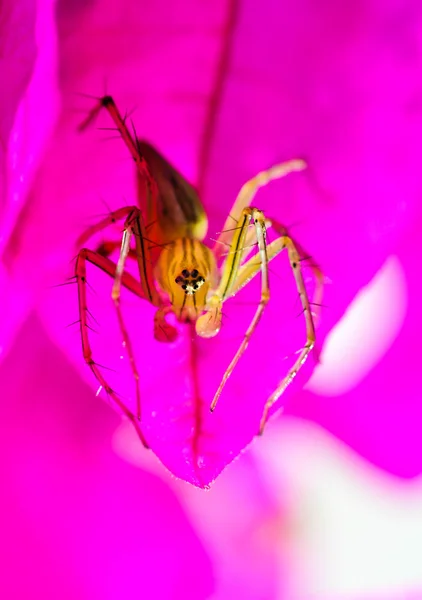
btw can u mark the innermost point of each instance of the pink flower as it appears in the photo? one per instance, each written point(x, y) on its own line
point(224, 94)
point(223, 91)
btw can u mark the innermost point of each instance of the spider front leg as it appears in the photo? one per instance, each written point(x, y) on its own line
point(114, 217)
point(128, 281)
point(295, 260)
point(132, 144)
point(134, 226)
point(260, 261)
point(209, 323)
point(247, 194)
point(296, 255)
point(110, 219)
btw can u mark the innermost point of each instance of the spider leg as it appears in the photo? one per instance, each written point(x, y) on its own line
point(250, 245)
point(243, 274)
point(315, 268)
point(294, 253)
point(110, 219)
point(108, 247)
point(131, 142)
point(134, 226)
point(115, 294)
point(247, 194)
point(142, 256)
point(128, 281)
point(228, 280)
point(249, 269)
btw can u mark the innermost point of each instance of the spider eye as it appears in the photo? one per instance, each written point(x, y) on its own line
point(178, 279)
point(194, 274)
point(185, 273)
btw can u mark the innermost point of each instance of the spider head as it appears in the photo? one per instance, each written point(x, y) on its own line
point(185, 271)
point(190, 281)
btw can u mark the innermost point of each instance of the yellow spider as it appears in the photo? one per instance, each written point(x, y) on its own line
point(178, 273)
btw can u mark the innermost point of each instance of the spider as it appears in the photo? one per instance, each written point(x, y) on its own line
point(178, 273)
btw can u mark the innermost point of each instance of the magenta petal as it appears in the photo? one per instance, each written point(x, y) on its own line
point(381, 416)
point(27, 114)
point(77, 522)
point(295, 85)
point(18, 54)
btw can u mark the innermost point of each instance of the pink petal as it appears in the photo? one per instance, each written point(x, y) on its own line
point(380, 418)
point(76, 521)
point(238, 519)
point(18, 54)
point(350, 530)
point(27, 114)
point(296, 85)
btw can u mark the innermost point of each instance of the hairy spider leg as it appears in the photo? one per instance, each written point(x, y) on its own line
point(294, 259)
point(110, 219)
point(113, 217)
point(132, 144)
point(108, 247)
point(172, 206)
point(131, 284)
point(134, 226)
point(242, 274)
point(134, 218)
point(249, 269)
point(315, 268)
point(225, 289)
point(247, 194)
point(115, 294)
point(249, 246)
point(142, 250)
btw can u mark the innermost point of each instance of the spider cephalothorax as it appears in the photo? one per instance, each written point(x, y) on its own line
point(178, 273)
point(185, 272)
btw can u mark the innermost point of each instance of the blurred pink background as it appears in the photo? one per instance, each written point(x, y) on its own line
point(328, 503)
